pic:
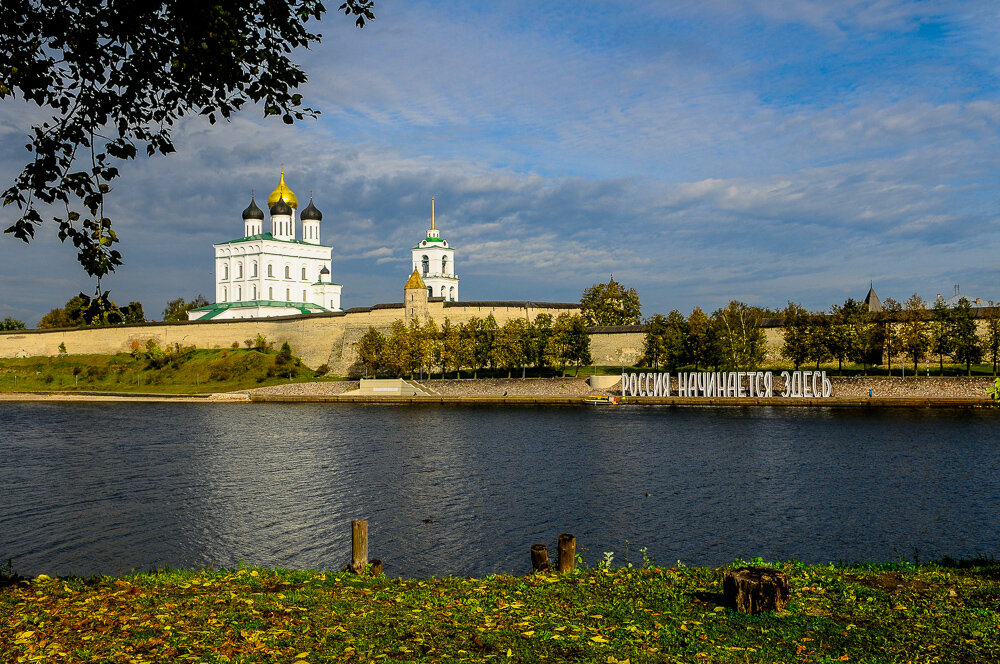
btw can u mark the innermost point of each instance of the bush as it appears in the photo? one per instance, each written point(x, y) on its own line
point(48, 378)
point(322, 370)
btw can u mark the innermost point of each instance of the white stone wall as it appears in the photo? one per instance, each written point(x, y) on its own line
point(272, 270)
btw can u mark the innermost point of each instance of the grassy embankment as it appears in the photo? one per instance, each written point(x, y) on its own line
point(188, 371)
point(894, 613)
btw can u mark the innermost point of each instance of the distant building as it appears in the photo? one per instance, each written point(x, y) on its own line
point(273, 274)
point(872, 302)
point(434, 261)
point(957, 296)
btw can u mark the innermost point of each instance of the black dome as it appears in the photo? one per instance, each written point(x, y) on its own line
point(311, 213)
point(281, 207)
point(253, 212)
point(324, 270)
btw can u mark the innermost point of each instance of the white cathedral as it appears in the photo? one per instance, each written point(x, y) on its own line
point(274, 274)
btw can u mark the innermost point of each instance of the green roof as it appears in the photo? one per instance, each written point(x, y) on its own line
point(268, 236)
point(217, 308)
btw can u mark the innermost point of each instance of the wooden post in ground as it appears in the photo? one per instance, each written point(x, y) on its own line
point(567, 553)
point(755, 589)
point(359, 546)
point(539, 558)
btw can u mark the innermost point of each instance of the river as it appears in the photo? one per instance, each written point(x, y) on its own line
point(109, 488)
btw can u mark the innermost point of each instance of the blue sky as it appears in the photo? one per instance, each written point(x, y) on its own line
point(763, 150)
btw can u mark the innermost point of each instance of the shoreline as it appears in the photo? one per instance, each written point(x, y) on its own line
point(849, 392)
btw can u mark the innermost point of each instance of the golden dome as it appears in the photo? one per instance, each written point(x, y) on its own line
point(283, 192)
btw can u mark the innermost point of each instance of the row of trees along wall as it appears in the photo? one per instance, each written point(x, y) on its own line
point(543, 344)
point(734, 337)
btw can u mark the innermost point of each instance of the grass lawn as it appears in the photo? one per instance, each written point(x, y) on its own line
point(894, 613)
point(189, 371)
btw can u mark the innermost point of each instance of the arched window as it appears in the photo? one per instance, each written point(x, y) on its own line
point(253, 269)
point(425, 262)
point(225, 294)
point(239, 270)
point(444, 266)
point(288, 295)
point(442, 291)
point(430, 291)
point(303, 296)
point(239, 293)
point(303, 274)
point(225, 271)
point(270, 293)
point(288, 272)
point(270, 270)
point(452, 294)
point(255, 292)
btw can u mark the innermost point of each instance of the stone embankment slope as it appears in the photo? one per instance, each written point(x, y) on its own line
point(853, 387)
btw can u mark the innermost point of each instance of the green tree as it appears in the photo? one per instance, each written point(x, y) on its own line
point(371, 349)
point(557, 348)
point(942, 337)
point(653, 344)
point(396, 355)
point(855, 337)
point(578, 342)
point(132, 313)
point(11, 324)
point(509, 345)
point(795, 323)
point(538, 336)
point(466, 350)
point(887, 338)
point(991, 341)
point(741, 335)
point(610, 304)
point(818, 338)
point(448, 357)
point(116, 77)
point(674, 340)
point(966, 344)
point(176, 310)
point(486, 333)
point(914, 335)
point(82, 311)
point(701, 346)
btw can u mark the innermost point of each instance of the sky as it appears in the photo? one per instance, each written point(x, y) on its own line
point(701, 152)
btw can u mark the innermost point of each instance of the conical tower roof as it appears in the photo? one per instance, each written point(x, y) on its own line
point(415, 281)
point(871, 300)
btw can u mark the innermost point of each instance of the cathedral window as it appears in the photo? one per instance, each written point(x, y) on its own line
point(425, 263)
point(303, 296)
point(430, 291)
point(303, 274)
point(253, 269)
point(442, 291)
point(288, 295)
point(444, 266)
point(288, 272)
point(225, 295)
point(270, 270)
point(225, 271)
point(239, 293)
point(239, 270)
point(452, 293)
point(270, 293)
point(254, 292)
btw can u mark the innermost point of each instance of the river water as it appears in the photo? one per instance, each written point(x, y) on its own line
point(99, 488)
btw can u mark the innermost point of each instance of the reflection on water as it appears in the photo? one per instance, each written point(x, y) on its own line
point(96, 488)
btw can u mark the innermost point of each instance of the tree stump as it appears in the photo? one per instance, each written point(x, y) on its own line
point(539, 558)
point(567, 553)
point(755, 589)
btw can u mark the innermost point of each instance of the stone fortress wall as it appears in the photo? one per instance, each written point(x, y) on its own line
point(329, 338)
point(316, 338)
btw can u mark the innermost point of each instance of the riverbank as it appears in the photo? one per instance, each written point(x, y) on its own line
point(892, 613)
point(848, 391)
